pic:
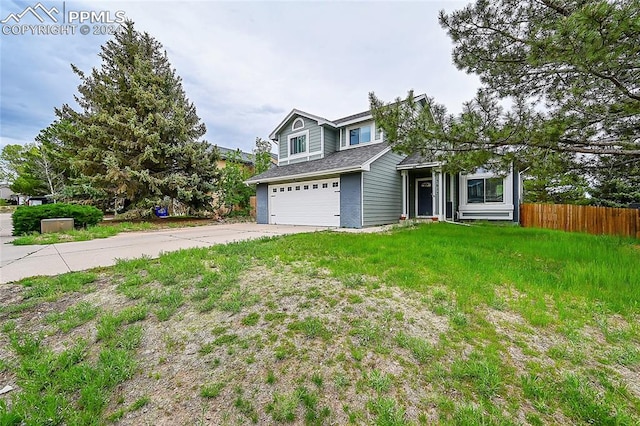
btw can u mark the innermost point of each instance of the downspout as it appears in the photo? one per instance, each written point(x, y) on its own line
point(405, 214)
point(441, 195)
point(521, 186)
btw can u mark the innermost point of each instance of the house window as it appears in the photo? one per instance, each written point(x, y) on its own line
point(335, 184)
point(325, 185)
point(297, 144)
point(315, 186)
point(298, 188)
point(282, 189)
point(298, 123)
point(289, 188)
point(274, 190)
point(488, 190)
point(360, 135)
point(306, 187)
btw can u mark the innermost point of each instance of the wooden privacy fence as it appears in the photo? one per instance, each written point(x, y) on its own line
point(594, 220)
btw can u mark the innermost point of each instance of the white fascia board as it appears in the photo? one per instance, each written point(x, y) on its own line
point(319, 120)
point(308, 175)
point(368, 117)
point(419, 98)
point(324, 122)
point(419, 165)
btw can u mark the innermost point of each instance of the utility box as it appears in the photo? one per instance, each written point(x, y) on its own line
point(56, 225)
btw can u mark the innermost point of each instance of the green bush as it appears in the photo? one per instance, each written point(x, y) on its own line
point(27, 219)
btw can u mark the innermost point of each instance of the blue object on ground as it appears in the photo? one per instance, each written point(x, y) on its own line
point(161, 211)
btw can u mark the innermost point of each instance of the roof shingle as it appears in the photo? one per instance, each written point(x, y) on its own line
point(348, 158)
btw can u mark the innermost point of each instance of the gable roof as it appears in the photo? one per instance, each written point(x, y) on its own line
point(353, 118)
point(350, 119)
point(225, 153)
point(320, 120)
point(349, 160)
point(417, 160)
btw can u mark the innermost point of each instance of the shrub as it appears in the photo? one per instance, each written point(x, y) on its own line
point(27, 219)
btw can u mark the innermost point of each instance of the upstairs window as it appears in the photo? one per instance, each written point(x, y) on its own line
point(488, 190)
point(298, 123)
point(297, 144)
point(360, 135)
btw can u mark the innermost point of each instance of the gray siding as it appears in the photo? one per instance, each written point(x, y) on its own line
point(330, 141)
point(314, 136)
point(262, 203)
point(298, 160)
point(350, 200)
point(382, 191)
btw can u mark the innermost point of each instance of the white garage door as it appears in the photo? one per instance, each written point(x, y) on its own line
point(315, 202)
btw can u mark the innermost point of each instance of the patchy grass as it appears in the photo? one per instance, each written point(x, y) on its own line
point(103, 230)
point(91, 233)
point(433, 324)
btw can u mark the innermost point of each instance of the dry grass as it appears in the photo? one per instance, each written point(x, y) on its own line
point(258, 339)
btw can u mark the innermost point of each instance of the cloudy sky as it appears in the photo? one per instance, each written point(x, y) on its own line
point(244, 65)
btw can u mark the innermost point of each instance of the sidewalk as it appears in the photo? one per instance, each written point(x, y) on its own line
point(17, 262)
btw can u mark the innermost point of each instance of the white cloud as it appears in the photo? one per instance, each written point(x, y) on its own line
point(246, 64)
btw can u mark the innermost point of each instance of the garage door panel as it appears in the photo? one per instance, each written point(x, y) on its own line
point(313, 206)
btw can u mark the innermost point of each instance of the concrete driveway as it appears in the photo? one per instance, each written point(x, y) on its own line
point(17, 262)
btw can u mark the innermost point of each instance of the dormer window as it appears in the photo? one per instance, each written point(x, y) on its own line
point(360, 135)
point(299, 143)
point(364, 132)
point(298, 123)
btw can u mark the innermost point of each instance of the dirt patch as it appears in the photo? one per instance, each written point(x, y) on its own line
point(298, 330)
point(181, 355)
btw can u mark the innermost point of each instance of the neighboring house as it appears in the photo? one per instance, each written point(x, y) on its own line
point(342, 173)
point(245, 158)
point(5, 191)
point(225, 154)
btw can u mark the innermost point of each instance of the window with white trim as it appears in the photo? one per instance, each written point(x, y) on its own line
point(485, 190)
point(360, 135)
point(298, 143)
point(298, 123)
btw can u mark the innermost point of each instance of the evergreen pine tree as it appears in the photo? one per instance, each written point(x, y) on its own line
point(136, 137)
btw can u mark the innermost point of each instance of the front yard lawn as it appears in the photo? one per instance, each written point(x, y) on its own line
point(107, 229)
point(434, 324)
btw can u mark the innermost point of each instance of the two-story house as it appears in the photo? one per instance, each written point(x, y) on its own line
point(342, 173)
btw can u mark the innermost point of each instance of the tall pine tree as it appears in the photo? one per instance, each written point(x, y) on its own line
point(136, 137)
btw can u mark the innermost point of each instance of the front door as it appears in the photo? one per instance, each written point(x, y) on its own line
point(424, 193)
